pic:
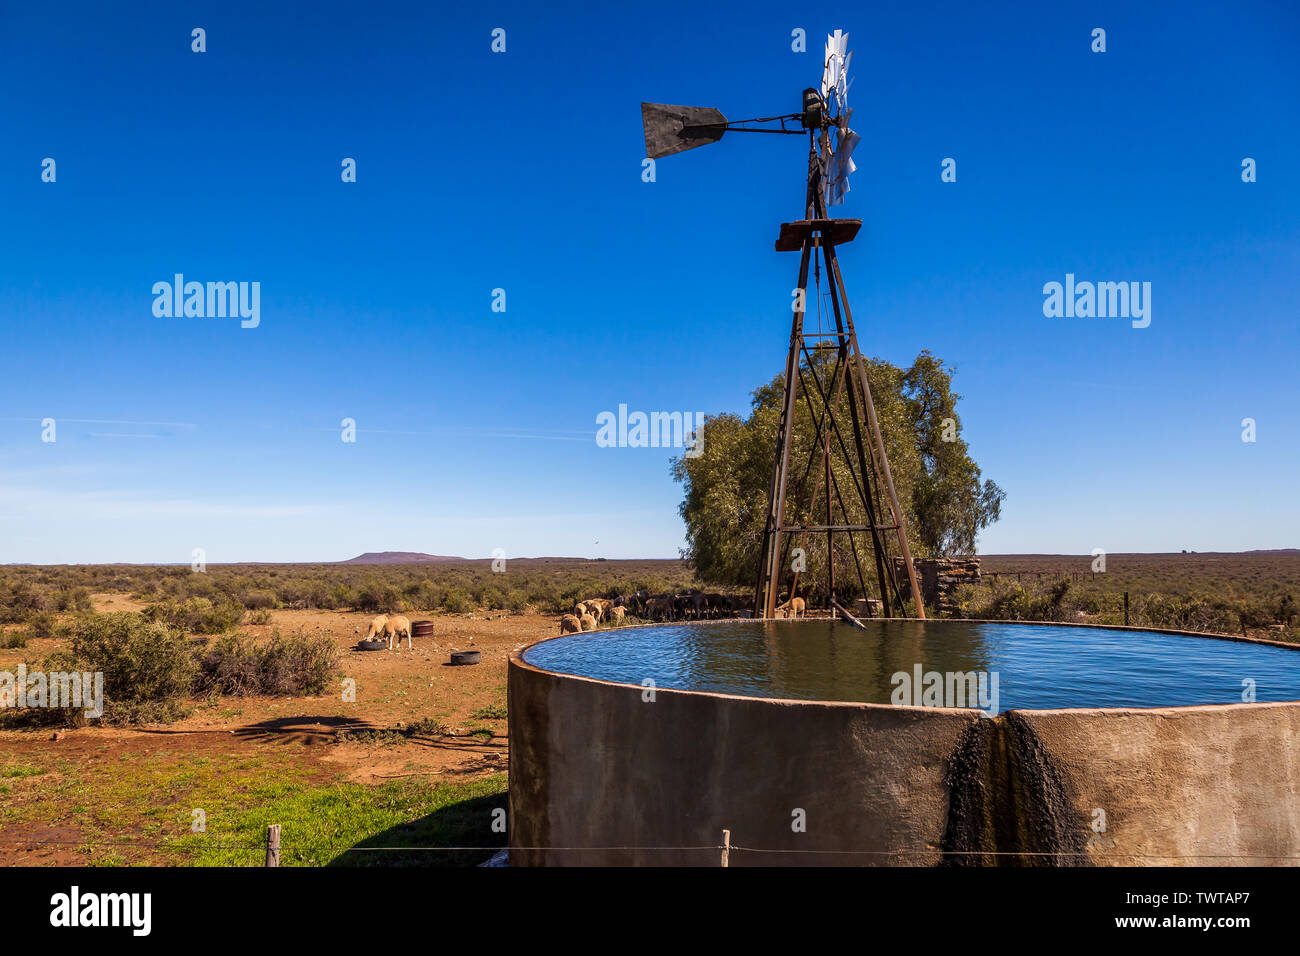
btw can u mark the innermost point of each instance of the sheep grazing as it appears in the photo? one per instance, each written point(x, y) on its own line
point(377, 627)
point(617, 612)
point(792, 608)
point(598, 608)
point(579, 609)
point(588, 622)
point(397, 626)
point(570, 624)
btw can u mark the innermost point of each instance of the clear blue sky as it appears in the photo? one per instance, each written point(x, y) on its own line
point(522, 171)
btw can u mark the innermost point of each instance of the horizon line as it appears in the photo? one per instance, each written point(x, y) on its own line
point(454, 559)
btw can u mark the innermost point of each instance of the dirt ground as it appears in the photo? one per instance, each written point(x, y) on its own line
point(459, 712)
point(394, 689)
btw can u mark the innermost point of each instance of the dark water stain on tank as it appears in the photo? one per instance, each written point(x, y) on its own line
point(1007, 805)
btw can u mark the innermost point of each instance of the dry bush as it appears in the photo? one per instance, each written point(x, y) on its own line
point(198, 615)
point(296, 665)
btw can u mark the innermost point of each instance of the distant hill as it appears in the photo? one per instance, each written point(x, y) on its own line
point(400, 557)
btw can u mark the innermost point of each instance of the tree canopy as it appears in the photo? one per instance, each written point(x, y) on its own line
point(941, 491)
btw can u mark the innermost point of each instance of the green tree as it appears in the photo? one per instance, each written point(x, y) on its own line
point(944, 499)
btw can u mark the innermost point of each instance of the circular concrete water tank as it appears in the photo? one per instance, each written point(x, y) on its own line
point(631, 771)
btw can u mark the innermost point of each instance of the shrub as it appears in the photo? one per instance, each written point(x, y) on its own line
point(40, 624)
point(197, 615)
point(340, 596)
point(20, 602)
point(428, 596)
point(455, 601)
point(239, 666)
point(262, 616)
point(259, 600)
point(72, 599)
point(379, 598)
point(1188, 614)
point(147, 665)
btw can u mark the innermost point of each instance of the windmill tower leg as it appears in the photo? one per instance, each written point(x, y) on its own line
point(770, 573)
point(882, 460)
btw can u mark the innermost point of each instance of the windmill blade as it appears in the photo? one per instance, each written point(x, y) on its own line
point(841, 165)
point(673, 129)
point(835, 69)
point(837, 166)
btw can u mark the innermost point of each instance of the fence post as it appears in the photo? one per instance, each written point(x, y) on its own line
point(273, 845)
point(726, 847)
point(1126, 609)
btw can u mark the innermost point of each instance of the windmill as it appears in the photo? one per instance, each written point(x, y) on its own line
point(845, 465)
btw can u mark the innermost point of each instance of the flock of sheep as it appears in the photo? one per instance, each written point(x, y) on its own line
point(693, 605)
point(588, 615)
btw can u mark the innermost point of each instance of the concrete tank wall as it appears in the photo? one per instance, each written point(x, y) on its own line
point(1213, 785)
point(600, 776)
point(594, 766)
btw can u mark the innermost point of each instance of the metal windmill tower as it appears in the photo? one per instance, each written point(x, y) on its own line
point(842, 480)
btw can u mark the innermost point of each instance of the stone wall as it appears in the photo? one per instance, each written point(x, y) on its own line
point(940, 579)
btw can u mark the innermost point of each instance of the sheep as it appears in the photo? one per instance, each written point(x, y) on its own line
point(661, 607)
point(570, 624)
point(588, 622)
point(377, 627)
point(617, 612)
point(579, 609)
point(598, 608)
point(396, 626)
point(634, 602)
point(792, 608)
point(693, 604)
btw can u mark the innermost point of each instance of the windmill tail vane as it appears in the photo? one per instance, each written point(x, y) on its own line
point(674, 129)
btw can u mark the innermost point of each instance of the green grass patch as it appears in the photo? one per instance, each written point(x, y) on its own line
point(141, 809)
point(20, 770)
point(411, 822)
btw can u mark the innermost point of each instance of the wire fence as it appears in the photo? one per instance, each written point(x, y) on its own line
point(928, 854)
